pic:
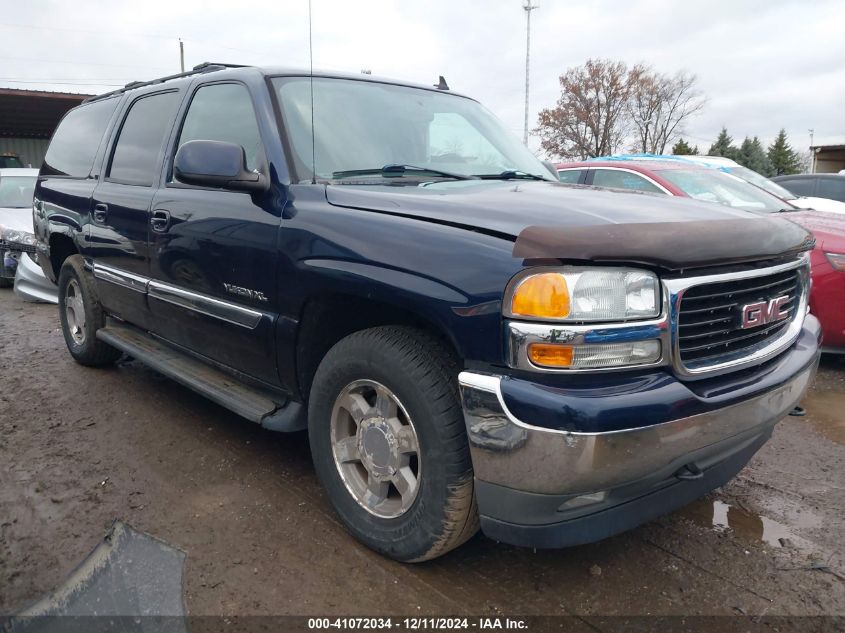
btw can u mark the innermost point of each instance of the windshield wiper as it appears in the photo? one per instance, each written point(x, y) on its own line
point(396, 170)
point(511, 174)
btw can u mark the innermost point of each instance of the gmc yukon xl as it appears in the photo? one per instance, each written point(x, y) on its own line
point(468, 342)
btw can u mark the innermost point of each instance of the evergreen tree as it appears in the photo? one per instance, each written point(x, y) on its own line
point(752, 155)
point(723, 146)
point(682, 148)
point(784, 159)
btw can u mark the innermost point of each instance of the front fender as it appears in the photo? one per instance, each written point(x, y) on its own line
point(430, 299)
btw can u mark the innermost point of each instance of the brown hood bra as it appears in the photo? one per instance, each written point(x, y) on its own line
point(668, 245)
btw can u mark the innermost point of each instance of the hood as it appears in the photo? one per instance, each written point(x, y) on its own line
point(550, 220)
point(18, 219)
point(819, 204)
point(827, 228)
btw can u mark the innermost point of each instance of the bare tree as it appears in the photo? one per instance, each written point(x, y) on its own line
point(659, 106)
point(590, 116)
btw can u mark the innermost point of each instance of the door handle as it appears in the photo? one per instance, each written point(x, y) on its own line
point(160, 221)
point(101, 213)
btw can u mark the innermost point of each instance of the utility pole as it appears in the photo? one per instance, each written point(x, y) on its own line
point(812, 154)
point(182, 54)
point(528, 7)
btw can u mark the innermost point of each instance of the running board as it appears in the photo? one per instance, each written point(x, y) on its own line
point(214, 384)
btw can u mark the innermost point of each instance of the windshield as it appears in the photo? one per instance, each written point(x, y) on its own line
point(364, 125)
point(16, 191)
point(761, 181)
point(717, 186)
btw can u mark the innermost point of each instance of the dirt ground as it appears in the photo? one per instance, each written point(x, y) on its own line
point(81, 447)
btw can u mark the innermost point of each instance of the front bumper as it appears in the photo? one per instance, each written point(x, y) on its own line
point(545, 487)
point(31, 284)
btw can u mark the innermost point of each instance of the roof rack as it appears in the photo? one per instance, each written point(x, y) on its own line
point(205, 67)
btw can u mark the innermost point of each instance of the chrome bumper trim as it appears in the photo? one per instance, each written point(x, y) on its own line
point(521, 334)
point(510, 452)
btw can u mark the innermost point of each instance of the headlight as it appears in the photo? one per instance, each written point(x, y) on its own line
point(837, 260)
point(12, 236)
point(585, 294)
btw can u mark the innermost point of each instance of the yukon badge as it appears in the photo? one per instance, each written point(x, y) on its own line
point(245, 292)
point(762, 312)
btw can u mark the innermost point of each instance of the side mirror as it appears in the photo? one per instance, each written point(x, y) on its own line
point(216, 164)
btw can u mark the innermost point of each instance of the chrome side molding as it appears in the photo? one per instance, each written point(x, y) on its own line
point(120, 277)
point(204, 304)
point(194, 301)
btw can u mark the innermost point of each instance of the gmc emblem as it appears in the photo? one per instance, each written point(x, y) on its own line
point(762, 312)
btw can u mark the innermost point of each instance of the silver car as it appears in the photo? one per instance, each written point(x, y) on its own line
point(17, 241)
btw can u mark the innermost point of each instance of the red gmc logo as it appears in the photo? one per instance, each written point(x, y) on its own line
point(763, 312)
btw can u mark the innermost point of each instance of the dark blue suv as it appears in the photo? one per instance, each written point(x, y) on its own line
point(467, 341)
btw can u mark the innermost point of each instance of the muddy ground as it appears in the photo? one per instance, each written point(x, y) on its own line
point(81, 447)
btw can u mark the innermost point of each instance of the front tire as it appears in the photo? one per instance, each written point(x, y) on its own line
point(82, 315)
point(389, 443)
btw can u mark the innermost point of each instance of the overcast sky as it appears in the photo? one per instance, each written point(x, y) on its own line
point(763, 64)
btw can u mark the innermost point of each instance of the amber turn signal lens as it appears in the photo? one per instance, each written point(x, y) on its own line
point(550, 354)
point(544, 296)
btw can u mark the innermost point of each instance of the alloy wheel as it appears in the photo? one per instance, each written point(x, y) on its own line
point(376, 448)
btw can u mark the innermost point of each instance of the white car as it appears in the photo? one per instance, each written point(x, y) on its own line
point(17, 241)
point(749, 175)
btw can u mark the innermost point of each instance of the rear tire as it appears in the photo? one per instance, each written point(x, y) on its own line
point(82, 315)
point(400, 475)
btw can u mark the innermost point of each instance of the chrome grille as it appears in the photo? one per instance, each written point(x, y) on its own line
point(709, 318)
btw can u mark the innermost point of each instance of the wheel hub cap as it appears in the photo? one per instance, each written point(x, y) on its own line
point(378, 447)
point(75, 312)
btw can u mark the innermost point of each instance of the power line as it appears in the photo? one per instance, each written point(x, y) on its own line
point(56, 61)
point(60, 83)
point(42, 27)
point(56, 79)
point(128, 34)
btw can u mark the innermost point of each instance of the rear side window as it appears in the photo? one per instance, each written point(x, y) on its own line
point(75, 143)
point(570, 176)
point(623, 180)
point(142, 135)
point(833, 188)
point(799, 186)
point(224, 112)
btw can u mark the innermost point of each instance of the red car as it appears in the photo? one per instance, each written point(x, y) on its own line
point(827, 297)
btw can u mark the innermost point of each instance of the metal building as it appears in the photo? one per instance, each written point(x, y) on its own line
point(28, 119)
point(828, 159)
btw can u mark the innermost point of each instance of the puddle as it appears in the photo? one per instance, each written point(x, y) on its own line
point(747, 525)
point(826, 412)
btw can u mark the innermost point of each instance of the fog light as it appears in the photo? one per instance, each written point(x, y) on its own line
point(583, 500)
point(594, 356)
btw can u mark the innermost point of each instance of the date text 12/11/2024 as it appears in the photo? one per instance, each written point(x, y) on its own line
point(418, 623)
